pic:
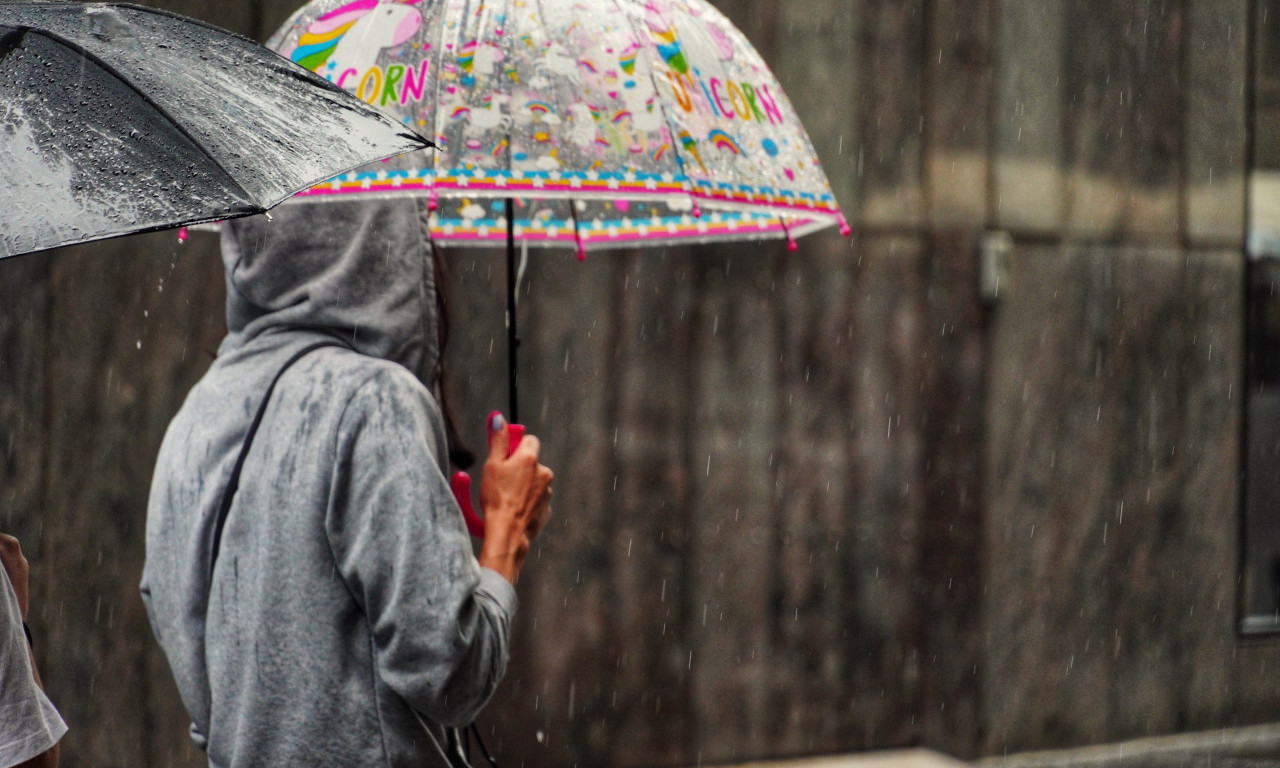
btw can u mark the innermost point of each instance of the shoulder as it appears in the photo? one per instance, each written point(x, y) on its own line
point(383, 401)
point(335, 379)
point(370, 382)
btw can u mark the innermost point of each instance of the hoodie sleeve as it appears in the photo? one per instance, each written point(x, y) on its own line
point(440, 624)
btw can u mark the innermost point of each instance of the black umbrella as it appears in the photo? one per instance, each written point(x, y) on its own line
point(117, 119)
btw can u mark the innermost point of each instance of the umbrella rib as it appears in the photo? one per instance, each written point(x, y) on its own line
point(659, 103)
point(113, 72)
point(437, 114)
point(254, 210)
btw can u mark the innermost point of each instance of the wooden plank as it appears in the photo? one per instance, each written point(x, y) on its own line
point(560, 679)
point(1124, 117)
point(812, 495)
point(951, 380)
point(1111, 473)
point(878, 513)
point(24, 296)
point(732, 466)
point(960, 68)
point(890, 113)
point(1045, 438)
point(658, 315)
point(1215, 119)
point(1192, 464)
point(1028, 136)
point(885, 495)
point(821, 621)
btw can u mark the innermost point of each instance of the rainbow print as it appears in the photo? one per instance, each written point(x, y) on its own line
point(690, 145)
point(628, 59)
point(539, 107)
point(467, 55)
point(317, 44)
point(663, 33)
point(460, 112)
point(588, 65)
point(724, 141)
point(620, 115)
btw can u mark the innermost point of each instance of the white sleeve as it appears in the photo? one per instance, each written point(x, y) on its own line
point(29, 723)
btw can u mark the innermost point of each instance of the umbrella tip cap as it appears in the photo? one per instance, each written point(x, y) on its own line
point(845, 229)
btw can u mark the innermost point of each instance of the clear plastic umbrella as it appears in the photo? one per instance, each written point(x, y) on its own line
point(612, 122)
point(586, 123)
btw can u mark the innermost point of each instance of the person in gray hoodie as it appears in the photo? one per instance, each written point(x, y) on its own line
point(341, 618)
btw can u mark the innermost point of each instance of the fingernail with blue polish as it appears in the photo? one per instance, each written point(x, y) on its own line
point(496, 423)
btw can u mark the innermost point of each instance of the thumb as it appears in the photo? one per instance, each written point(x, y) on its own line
point(499, 437)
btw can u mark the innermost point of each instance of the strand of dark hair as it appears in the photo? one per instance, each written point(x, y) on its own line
point(459, 454)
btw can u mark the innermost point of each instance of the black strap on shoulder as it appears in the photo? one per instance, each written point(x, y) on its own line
point(475, 731)
point(233, 484)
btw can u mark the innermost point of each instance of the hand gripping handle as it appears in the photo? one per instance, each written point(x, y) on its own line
point(461, 482)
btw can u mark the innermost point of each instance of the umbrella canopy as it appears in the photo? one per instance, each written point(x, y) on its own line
point(117, 118)
point(613, 122)
point(589, 123)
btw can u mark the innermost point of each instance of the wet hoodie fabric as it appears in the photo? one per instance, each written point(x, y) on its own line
point(347, 622)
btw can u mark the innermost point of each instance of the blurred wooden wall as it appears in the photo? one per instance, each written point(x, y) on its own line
point(806, 502)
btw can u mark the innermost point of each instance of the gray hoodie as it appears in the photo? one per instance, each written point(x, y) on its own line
point(347, 622)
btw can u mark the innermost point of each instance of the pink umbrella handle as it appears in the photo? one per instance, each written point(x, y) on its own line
point(461, 483)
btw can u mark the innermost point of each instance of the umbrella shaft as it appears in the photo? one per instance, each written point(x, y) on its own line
point(513, 338)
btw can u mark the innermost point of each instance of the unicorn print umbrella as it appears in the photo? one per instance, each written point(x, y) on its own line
point(588, 123)
point(611, 122)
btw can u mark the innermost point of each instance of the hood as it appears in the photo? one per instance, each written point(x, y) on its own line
point(361, 271)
